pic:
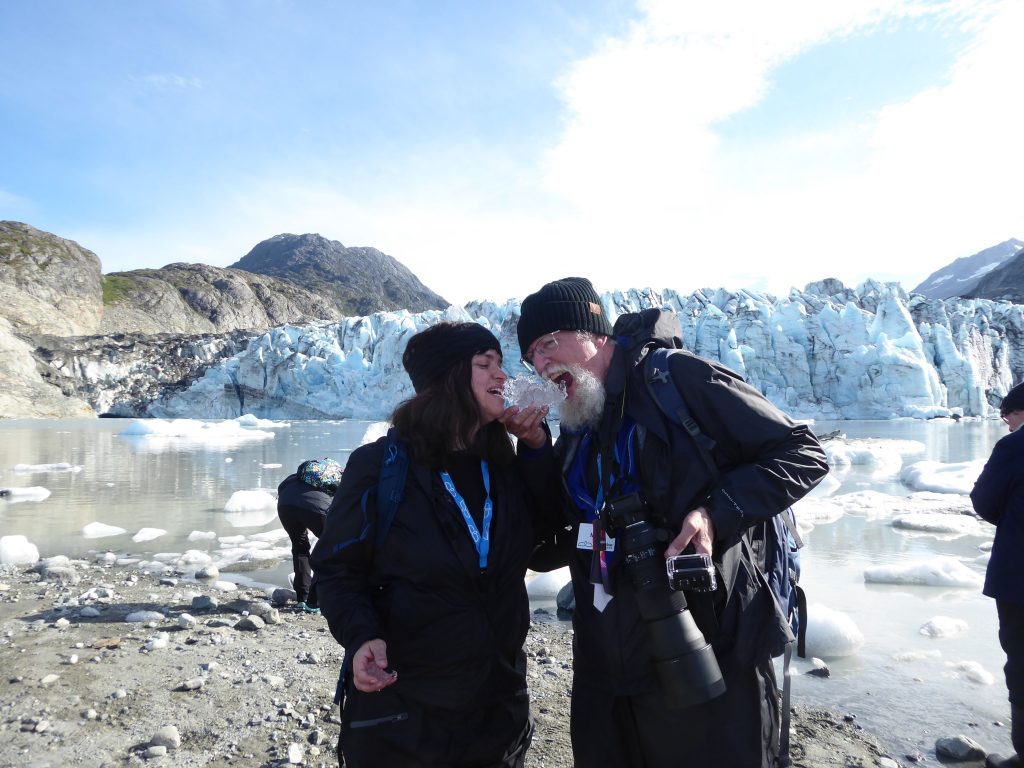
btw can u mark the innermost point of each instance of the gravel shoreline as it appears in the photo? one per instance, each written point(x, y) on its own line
point(206, 677)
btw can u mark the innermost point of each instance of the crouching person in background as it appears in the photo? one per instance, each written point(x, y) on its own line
point(431, 603)
point(302, 503)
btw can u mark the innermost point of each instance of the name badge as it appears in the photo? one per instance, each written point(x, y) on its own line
point(585, 539)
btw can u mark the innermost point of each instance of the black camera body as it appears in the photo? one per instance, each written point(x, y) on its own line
point(684, 661)
point(691, 573)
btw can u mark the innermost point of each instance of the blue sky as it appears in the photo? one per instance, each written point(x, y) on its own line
point(492, 146)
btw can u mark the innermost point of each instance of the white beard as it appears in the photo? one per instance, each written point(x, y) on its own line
point(586, 405)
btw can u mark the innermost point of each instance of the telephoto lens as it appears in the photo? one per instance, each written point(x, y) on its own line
point(684, 661)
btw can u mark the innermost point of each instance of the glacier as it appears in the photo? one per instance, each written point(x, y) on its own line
point(827, 352)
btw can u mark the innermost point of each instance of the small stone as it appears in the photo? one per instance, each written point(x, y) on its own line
point(193, 684)
point(61, 623)
point(155, 751)
point(185, 621)
point(120, 693)
point(49, 679)
point(73, 658)
point(41, 726)
point(168, 582)
point(89, 612)
point(959, 748)
point(250, 624)
point(316, 737)
point(89, 714)
point(294, 754)
point(204, 603)
point(107, 643)
point(273, 681)
point(208, 572)
point(168, 736)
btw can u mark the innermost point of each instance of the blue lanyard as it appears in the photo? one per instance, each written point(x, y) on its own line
point(482, 542)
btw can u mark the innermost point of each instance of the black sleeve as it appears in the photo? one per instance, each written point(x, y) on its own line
point(343, 557)
point(539, 470)
point(996, 481)
point(770, 462)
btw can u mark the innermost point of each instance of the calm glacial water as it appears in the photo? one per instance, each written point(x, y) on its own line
point(183, 486)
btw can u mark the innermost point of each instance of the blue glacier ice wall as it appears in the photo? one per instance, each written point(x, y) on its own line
point(873, 352)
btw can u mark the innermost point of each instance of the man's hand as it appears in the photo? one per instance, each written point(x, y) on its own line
point(369, 665)
point(698, 529)
point(525, 424)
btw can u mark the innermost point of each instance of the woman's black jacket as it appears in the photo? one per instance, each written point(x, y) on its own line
point(454, 634)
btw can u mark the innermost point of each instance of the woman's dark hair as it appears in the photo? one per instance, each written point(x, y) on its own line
point(443, 416)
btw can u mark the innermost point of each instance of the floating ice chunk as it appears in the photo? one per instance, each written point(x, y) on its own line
point(202, 535)
point(101, 530)
point(17, 550)
point(225, 586)
point(157, 435)
point(937, 523)
point(270, 466)
point(191, 558)
point(831, 634)
point(937, 572)
point(32, 493)
point(811, 512)
point(973, 671)
point(541, 585)
point(375, 432)
point(31, 469)
point(276, 535)
point(148, 534)
point(249, 421)
point(885, 457)
point(916, 655)
point(253, 518)
point(943, 626)
point(958, 477)
point(828, 485)
point(525, 391)
point(247, 501)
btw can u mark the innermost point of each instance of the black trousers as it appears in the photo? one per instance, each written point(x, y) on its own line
point(384, 730)
point(1011, 637)
point(739, 729)
point(297, 521)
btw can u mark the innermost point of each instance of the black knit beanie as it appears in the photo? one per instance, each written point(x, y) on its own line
point(431, 352)
point(1014, 401)
point(569, 304)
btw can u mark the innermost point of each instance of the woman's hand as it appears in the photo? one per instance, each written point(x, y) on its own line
point(525, 424)
point(369, 667)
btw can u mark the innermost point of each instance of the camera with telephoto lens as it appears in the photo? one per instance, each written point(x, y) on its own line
point(692, 573)
point(684, 661)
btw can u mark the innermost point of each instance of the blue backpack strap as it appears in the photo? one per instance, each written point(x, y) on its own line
point(394, 469)
point(666, 396)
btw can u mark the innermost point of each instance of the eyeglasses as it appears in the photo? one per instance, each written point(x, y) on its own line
point(545, 345)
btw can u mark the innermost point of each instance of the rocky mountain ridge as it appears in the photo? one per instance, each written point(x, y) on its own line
point(965, 276)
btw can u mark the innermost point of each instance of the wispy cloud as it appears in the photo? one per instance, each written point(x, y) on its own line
point(169, 83)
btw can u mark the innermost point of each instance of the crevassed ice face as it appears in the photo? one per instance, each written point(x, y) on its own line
point(486, 384)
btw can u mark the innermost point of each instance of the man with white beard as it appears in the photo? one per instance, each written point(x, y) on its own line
point(633, 490)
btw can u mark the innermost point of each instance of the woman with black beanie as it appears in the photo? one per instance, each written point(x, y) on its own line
point(434, 617)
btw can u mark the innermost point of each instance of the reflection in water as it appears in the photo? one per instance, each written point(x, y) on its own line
point(183, 489)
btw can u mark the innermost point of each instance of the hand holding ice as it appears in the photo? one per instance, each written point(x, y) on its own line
point(524, 391)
